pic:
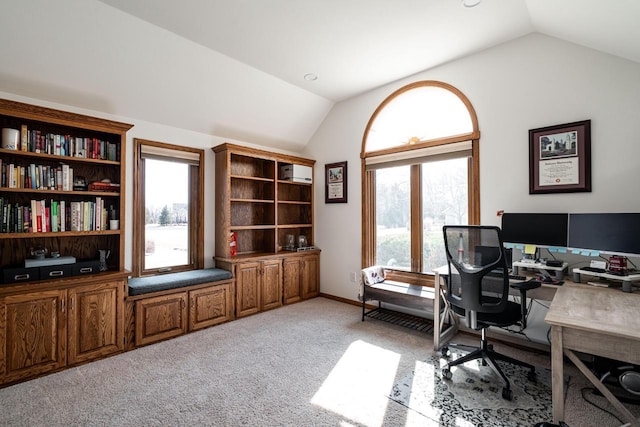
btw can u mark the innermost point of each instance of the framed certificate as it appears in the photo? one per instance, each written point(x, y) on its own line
point(560, 158)
point(335, 175)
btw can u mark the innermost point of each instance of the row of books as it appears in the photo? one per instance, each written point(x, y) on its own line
point(37, 177)
point(36, 141)
point(42, 216)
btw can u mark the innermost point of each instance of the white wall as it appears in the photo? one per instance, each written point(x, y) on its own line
point(531, 82)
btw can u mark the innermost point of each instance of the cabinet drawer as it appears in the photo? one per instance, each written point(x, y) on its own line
point(56, 271)
point(20, 274)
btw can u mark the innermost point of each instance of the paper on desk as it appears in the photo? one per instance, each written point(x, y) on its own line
point(530, 249)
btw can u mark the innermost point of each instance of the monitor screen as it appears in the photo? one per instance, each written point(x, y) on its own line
point(605, 232)
point(541, 229)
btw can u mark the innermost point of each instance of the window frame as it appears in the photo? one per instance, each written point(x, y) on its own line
point(369, 184)
point(196, 209)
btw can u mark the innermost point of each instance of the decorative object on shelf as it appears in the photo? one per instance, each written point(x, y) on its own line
point(335, 182)
point(302, 241)
point(79, 183)
point(39, 252)
point(560, 158)
point(104, 256)
point(10, 138)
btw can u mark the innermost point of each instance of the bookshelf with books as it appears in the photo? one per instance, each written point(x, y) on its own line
point(60, 184)
point(63, 281)
point(264, 227)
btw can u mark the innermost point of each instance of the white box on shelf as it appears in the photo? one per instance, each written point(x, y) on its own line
point(296, 173)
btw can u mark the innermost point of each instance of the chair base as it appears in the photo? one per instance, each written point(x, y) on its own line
point(488, 356)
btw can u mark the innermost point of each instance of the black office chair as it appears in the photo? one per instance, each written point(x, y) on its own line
point(478, 289)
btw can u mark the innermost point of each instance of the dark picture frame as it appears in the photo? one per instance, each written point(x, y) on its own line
point(335, 182)
point(560, 158)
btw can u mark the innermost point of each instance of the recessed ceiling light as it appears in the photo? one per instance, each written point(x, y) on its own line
point(310, 77)
point(470, 3)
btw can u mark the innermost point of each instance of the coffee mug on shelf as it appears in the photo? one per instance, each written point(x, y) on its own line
point(10, 138)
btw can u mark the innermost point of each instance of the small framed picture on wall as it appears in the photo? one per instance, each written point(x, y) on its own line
point(335, 188)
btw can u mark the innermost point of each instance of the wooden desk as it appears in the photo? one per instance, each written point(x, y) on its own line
point(598, 321)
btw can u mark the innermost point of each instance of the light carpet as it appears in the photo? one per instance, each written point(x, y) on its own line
point(474, 394)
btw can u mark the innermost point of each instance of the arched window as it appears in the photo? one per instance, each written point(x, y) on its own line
point(420, 171)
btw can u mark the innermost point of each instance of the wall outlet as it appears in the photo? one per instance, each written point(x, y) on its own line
point(353, 276)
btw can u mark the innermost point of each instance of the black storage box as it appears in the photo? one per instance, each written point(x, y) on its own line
point(86, 267)
point(56, 271)
point(20, 274)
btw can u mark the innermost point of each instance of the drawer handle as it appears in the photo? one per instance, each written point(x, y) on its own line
point(86, 270)
point(24, 276)
point(56, 273)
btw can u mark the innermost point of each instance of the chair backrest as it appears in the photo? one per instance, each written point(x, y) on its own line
point(473, 252)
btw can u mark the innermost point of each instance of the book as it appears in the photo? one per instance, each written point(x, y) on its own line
point(24, 138)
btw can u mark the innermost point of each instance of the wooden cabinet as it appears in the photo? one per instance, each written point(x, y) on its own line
point(46, 330)
point(161, 317)
point(310, 276)
point(176, 313)
point(96, 322)
point(57, 153)
point(210, 306)
point(301, 277)
point(34, 334)
point(258, 286)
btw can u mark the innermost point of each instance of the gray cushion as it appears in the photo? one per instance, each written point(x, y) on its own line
point(144, 285)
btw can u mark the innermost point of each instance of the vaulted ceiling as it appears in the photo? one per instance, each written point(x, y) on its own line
point(236, 68)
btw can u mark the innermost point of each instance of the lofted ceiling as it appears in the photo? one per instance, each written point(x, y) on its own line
point(235, 68)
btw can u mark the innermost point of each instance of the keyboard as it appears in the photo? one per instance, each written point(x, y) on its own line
point(593, 269)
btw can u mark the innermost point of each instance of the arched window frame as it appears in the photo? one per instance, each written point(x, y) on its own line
point(368, 177)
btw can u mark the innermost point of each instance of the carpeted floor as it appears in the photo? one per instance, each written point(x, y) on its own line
point(308, 364)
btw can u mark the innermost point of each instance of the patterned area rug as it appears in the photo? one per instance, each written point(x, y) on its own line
point(473, 397)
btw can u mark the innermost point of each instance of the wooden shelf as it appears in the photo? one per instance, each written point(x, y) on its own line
point(61, 159)
point(61, 192)
point(252, 178)
point(59, 234)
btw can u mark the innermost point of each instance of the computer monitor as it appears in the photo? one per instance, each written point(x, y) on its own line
point(616, 233)
point(540, 229)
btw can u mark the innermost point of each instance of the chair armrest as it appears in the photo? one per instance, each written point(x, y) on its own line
point(526, 286)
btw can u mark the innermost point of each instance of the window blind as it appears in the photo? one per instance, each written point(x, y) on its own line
point(454, 150)
point(168, 154)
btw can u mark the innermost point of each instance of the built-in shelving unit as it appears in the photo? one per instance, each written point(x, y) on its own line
point(260, 207)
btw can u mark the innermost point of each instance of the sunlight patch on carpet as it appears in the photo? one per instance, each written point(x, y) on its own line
point(358, 384)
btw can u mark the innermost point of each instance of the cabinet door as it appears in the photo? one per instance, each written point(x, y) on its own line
point(210, 306)
point(271, 284)
point(33, 334)
point(159, 318)
point(291, 277)
point(96, 324)
point(247, 288)
point(310, 276)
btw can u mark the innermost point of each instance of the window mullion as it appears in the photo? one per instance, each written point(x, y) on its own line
point(416, 218)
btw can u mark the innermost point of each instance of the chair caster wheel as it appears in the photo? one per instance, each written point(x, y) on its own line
point(490, 347)
point(446, 373)
point(531, 375)
point(507, 394)
point(484, 362)
point(445, 351)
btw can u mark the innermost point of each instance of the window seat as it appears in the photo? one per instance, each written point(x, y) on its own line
point(145, 285)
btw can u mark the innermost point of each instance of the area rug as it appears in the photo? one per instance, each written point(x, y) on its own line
point(473, 397)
